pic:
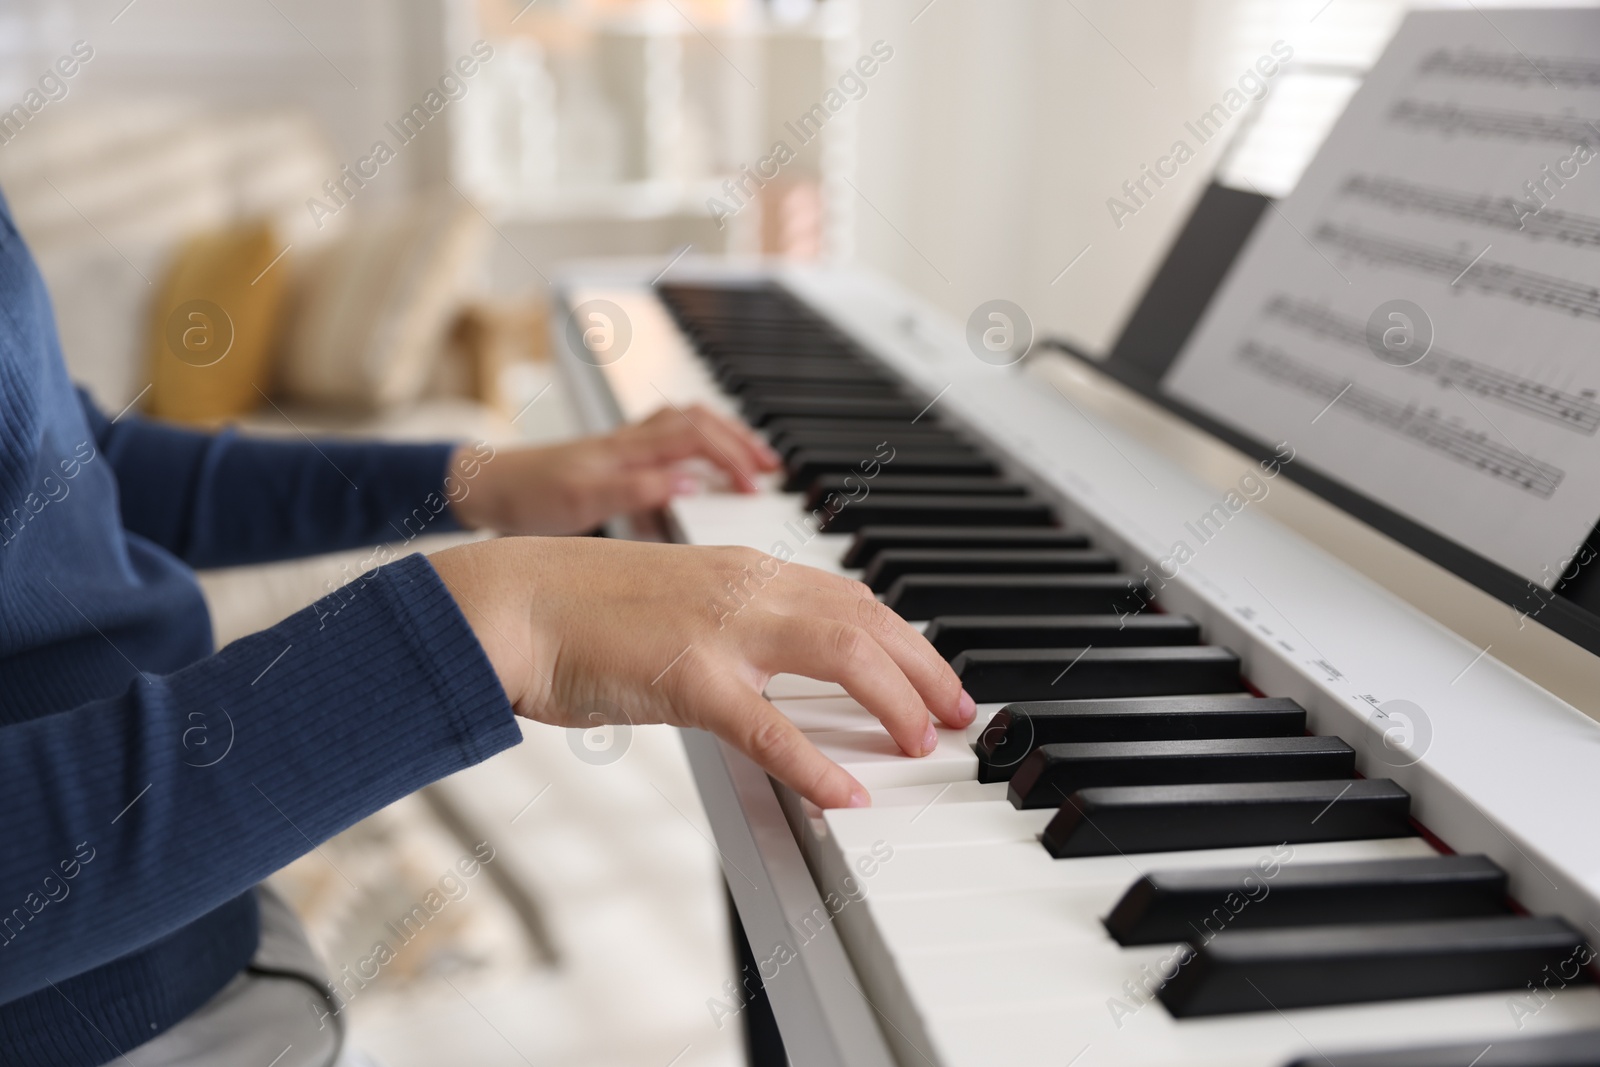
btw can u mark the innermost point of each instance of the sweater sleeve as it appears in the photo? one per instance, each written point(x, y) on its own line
point(222, 500)
point(130, 817)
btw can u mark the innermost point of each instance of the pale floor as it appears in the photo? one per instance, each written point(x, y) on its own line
point(617, 860)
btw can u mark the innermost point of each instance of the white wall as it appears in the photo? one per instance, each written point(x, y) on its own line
point(990, 144)
point(353, 64)
point(998, 134)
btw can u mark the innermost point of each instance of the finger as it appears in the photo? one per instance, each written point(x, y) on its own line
point(751, 724)
point(729, 448)
point(697, 432)
point(928, 672)
point(837, 651)
point(763, 454)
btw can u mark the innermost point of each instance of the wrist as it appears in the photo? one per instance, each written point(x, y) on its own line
point(491, 583)
point(465, 484)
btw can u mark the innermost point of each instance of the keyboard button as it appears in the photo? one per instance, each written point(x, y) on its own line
point(897, 562)
point(1016, 729)
point(927, 596)
point(1183, 905)
point(916, 510)
point(951, 635)
point(1305, 967)
point(1051, 773)
point(871, 540)
point(1171, 818)
point(991, 674)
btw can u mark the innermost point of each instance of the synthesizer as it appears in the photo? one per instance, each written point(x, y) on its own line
point(1234, 805)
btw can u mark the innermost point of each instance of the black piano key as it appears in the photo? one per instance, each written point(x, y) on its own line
point(1017, 729)
point(824, 348)
point(1307, 967)
point(806, 465)
point(883, 509)
point(848, 486)
point(1192, 905)
point(894, 431)
point(991, 674)
point(1172, 818)
point(1580, 1048)
point(831, 408)
point(925, 596)
point(771, 396)
point(775, 339)
point(818, 431)
point(778, 329)
point(719, 348)
point(734, 373)
point(884, 442)
point(950, 635)
point(898, 562)
point(870, 540)
point(1051, 773)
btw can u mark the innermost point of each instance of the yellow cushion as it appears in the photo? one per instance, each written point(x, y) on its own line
point(374, 308)
point(213, 325)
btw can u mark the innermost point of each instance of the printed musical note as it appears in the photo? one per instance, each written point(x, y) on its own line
point(1454, 210)
point(1466, 271)
point(1451, 119)
point(1478, 65)
point(1574, 411)
point(1499, 212)
point(1424, 427)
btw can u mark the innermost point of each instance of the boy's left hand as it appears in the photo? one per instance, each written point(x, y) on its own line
point(575, 487)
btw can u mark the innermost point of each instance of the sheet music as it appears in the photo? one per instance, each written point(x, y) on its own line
point(1420, 318)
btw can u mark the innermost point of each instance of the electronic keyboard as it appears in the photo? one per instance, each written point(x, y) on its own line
point(1186, 827)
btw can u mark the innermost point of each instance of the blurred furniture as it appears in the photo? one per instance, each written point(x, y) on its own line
point(614, 128)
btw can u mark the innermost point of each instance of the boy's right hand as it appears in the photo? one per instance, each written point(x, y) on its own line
point(574, 624)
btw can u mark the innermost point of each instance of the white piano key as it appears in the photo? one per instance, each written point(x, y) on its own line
point(878, 763)
point(916, 796)
point(823, 714)
point(758, 520)
point(1012, 866)
point(1117, 1028)
point(1079, 1035)
point(1083, 972)
point(988, 822)
point(1034, 917)
point(1087, 975)
point(816, 714)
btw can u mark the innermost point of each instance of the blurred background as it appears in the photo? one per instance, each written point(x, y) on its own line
point(375, 194)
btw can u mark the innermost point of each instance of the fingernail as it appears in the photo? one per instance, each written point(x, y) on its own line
point(859, 798)
point(930, 740)
point(684, 484)
point(967, 710)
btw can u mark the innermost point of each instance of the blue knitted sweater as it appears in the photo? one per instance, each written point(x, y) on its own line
point(147, 782)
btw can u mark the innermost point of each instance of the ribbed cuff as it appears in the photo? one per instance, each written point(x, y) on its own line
point(448, 650)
